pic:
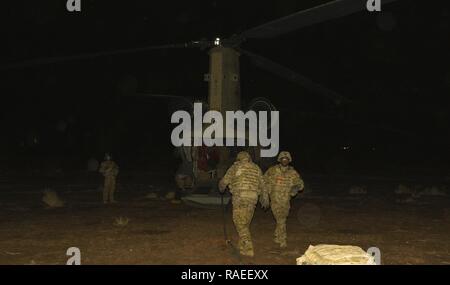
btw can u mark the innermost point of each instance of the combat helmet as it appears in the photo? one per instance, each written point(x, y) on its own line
point(243, 156)
point(284, 154)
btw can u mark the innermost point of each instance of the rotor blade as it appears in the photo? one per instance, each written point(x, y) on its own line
point(58, 59)
point(164, 96)
point(294, 77)
point(321, 116)
point(176, 103)
point(149, 95)
point(308, 17)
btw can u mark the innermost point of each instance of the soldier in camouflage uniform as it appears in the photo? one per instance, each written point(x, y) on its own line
point(110, 170)
point(283, 183)
point(245, 181)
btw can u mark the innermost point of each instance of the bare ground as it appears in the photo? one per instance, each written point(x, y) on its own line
point(159, 232)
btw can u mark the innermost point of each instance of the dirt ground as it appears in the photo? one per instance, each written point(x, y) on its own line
point(158, 232)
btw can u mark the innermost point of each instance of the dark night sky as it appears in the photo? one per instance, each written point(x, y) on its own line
point(395, 69)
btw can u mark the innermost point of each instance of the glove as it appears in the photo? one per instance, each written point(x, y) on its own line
point(264, 200)
point(295, 189)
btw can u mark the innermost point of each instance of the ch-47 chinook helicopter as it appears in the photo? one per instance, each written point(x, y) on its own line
point(224, 66)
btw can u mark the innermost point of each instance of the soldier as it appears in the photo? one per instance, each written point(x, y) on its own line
point(245, 182)
point(283, 183)
point(109, 169)
point(184, 176)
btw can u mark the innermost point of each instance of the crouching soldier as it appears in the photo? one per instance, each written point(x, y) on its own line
point(110, 170)
point(245, 182)
point(283, 183)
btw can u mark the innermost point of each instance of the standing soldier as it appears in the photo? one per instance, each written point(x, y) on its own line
point(246, 183)
point(283, 183)
point(184, 177)
point(109, 169)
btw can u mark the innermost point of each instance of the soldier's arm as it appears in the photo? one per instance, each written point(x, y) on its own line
point(261, 183)
point(268, 178)
point(108, 169)
point(264, 192)
point(226, 179)
point(115, 169)
point(297, 183)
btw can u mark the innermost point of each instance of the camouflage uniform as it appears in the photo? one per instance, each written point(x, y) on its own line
point(283, 182)
point(246, 184)
point(110, 170)
point(185, 174)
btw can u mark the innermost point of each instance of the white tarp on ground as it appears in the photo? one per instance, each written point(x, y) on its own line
point(328, 254)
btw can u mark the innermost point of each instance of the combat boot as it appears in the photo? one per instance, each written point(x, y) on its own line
point(276, 239)
point(247, 249)
point(248, 253)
